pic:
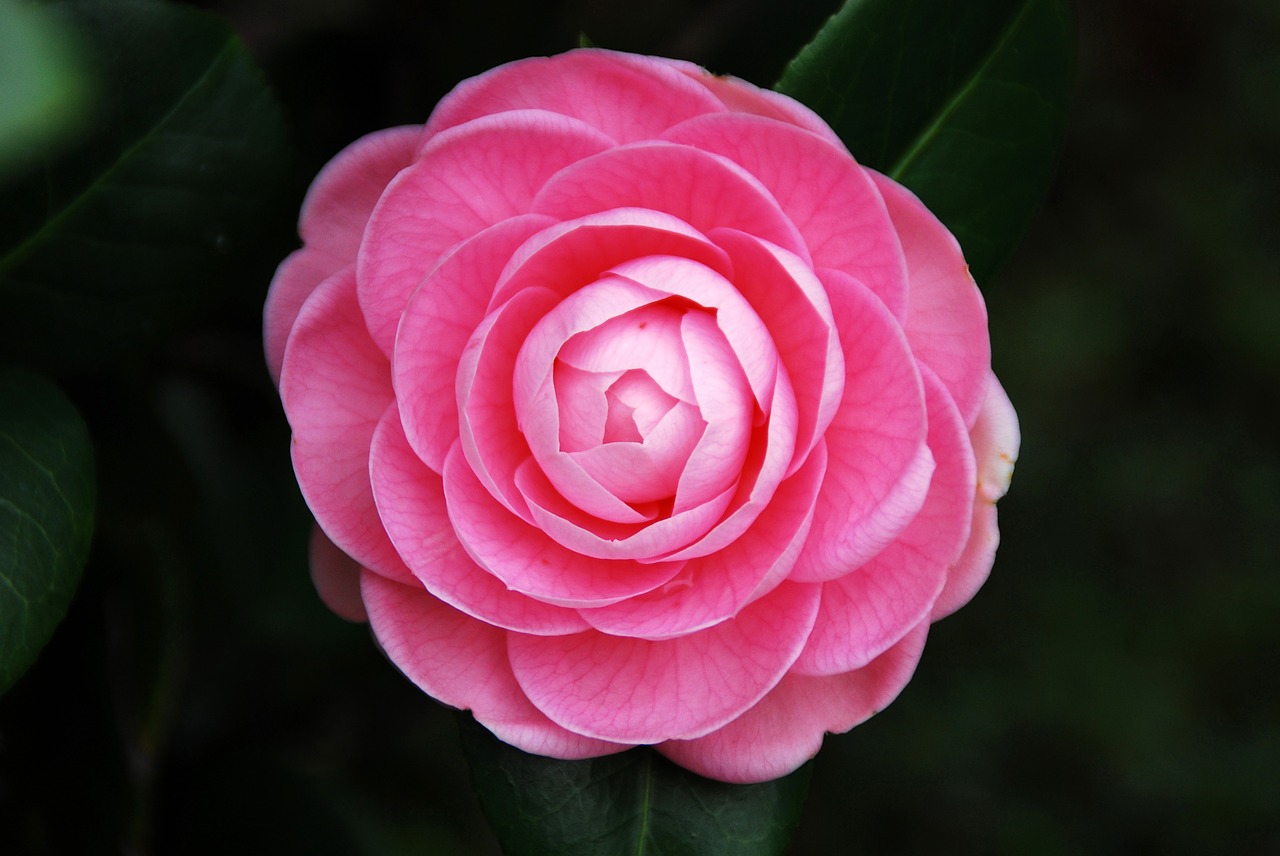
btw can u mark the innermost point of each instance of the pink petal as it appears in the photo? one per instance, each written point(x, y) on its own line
point(879, 464)
point(294, 280)
point(638, 691)
point(435, 328)
point(703, 189)
point(647, 337)
point(336, 577)
point(793, 304)
point(530, 562)
point(411, 503)
point(865, 612)
point(995, 439)
point(727, 409)
point(335, 386)
point(625, 96)
point(647, 470)
point(334, 214)
point(487, 417)
point(768, 458)
point(463, 663)
point(588, 535)
point(465, 180)
point(737, 319)
point(716, 587)
point(343, 195)
point(576, 253)
point(528, 381)
point(786, 728)
point(826, 194)
point(743, 97)
point(946, 318)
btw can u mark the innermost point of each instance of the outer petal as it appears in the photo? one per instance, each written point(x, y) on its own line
point(435, 328)
point(340, 200)
point(995, 439)
point(465, 180)
point(463, 663)
point(334, 214)
point(946, 317)
point(336, 577)
point(865, 612)
point(830, 198)
point(879, 468)
point(625, 96)
point(636, 691)
point(786, 728)
point(741, 96)
point(703, 189)
point(335, 386)
point(411, 502)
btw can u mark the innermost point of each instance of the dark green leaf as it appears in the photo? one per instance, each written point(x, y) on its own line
point(46, 514)
point(42, 88)
point(113, 241)
point(636, 803)
point(963, 101)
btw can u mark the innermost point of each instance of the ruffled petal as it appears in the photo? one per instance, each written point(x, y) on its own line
point(786, 728)
point(463, 663)
point(638, 691)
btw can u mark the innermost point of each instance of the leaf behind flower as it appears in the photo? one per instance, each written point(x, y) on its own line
point(962, 101)
point(636, 802)
point(46, 514)
point(110, 240)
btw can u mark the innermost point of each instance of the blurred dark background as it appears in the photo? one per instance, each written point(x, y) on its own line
point(1113, 688)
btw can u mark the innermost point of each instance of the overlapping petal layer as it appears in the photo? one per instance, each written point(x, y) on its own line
point(640, 412)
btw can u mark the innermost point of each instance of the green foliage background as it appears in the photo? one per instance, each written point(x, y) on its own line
point(1113, 689)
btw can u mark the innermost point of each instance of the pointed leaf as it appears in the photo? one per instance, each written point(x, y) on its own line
point(962, 101)
point(46, 514)
point(634, 803)
point(118, 236)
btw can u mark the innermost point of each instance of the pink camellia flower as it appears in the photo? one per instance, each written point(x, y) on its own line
point(638, 412)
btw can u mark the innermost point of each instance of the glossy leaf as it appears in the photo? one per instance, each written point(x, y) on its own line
point(42, 86)
point(962, 101)
point(46, 514)
point(635, 803)
point(117, 237)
